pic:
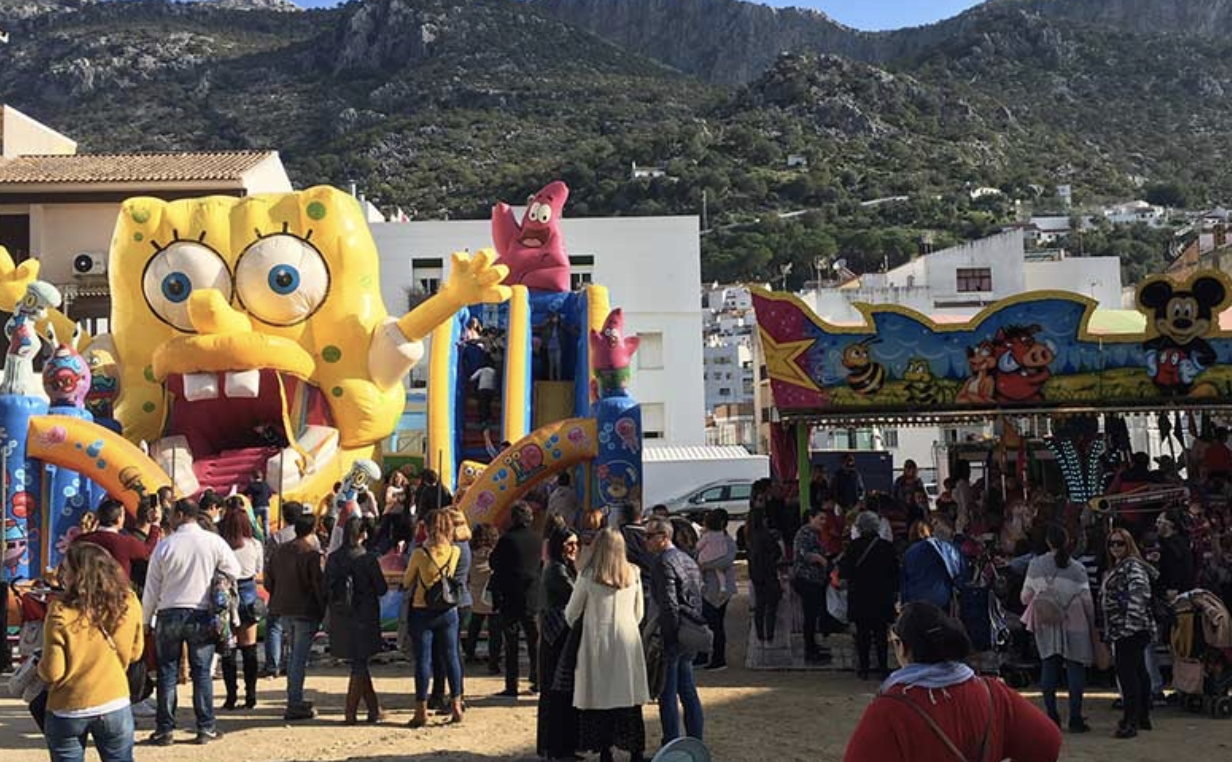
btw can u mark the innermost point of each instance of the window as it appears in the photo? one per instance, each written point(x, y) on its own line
point(582, 259)
point(724, 392)
point(422, 262)
point(654, 420)
point(977, 279)
point(740, 491)
point(650, 351)
point(430, 285)
point(889, 437)
point(712, 495)
point(578, 280)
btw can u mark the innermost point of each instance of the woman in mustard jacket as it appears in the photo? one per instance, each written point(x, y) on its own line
point(91, 634)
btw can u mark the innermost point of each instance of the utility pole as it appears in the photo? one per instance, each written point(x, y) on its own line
point(705, 220)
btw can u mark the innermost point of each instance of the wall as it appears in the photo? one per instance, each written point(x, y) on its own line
point(1096, 277)
point(652, 267)
point(59, 232)
point(267, 177)
point(22, 136)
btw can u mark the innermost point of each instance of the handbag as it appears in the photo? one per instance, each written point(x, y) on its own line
point(25, 683)
point(1047, 607)
point(447, 591)
point(1188, 676)
point(694, 638)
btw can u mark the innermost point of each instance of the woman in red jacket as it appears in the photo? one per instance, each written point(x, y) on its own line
point(935, 709)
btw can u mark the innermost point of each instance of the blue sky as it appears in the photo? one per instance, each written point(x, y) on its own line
point(883, 14)
point(861, 14)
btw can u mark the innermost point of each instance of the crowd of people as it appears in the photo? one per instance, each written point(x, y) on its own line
point(612, 618)
point(617, 609)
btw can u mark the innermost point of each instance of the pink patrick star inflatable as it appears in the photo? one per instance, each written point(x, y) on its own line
point(612, 354)
point(534, 250)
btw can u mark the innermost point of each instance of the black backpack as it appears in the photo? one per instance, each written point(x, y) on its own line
point(447, 591)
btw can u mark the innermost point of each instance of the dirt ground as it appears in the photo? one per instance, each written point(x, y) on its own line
point(750, 717)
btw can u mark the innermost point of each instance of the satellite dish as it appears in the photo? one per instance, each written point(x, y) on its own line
point(683, 750)
point(840, 264)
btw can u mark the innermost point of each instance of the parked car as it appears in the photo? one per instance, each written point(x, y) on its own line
point(731, 495)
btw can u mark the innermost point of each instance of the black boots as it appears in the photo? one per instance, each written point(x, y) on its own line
point(229, 679)
point(248, 654)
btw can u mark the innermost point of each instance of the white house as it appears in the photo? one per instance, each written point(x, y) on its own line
point(650, 265)
point(1135, 212)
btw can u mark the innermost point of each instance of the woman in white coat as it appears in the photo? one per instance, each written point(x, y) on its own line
point(1061, 614)
point(610, 679)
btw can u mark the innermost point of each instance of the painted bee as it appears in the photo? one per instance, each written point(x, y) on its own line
point(864, 376)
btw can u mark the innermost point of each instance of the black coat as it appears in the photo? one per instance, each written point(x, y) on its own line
point(872, 583)
point(355, 630)
point(515, 573)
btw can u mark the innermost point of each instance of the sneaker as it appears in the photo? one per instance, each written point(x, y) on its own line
point(715, 667)
point(159, 738)
point(507, 693)
point(299, 712)
point(205, 736)
point(146, 708)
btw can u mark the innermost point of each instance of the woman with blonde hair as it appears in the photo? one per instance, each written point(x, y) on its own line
point(92, 633)
point(1126, 600)
point(466, 601)
point(610, 678)
point(431, 581)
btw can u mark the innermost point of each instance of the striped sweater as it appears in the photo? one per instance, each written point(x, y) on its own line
point(1126, 600)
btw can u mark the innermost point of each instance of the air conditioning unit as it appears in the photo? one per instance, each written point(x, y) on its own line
point(89, 263)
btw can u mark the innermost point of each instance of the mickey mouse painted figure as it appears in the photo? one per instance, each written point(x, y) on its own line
point(1178, 354)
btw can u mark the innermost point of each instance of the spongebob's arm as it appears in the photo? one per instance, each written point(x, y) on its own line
point(471, 281)
point(14, 279)
point(397, 344)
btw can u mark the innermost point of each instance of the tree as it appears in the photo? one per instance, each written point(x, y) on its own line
point(1167, 194)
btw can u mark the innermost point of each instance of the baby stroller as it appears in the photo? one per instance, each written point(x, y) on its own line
point(1202, 654)
point(979, 608)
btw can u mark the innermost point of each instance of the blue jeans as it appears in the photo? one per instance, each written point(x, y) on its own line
point(113, 736)
point(426, 627)
point(680, 683)
point(176, 627)
point(300, 630)
point(1076, 679)
point(273, 644)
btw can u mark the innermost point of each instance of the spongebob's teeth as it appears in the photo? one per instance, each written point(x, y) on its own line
point(244, 384)
point(201, 386)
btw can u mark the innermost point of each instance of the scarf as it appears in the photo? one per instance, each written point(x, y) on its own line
point(931, 676)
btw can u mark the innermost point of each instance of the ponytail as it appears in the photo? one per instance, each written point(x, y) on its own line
point(1058, 540)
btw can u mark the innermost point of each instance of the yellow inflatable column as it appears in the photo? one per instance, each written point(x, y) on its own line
point(516, 399)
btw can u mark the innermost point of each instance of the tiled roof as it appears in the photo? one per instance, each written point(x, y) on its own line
point(130, 167)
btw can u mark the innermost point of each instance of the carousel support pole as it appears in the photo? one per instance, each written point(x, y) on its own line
point(803, 465)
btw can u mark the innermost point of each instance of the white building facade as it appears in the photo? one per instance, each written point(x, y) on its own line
point(650, 265)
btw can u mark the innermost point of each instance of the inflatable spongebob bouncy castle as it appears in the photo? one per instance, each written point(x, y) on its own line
point(248, 335)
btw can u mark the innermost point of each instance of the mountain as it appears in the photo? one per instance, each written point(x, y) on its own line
point(859, 145)
point(1198, 18)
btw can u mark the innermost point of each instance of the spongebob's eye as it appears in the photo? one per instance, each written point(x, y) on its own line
point(545, 214)
point(178, 270)
point(281, 279)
